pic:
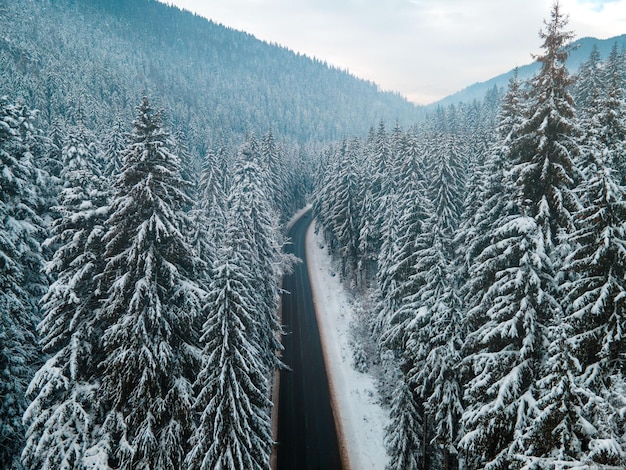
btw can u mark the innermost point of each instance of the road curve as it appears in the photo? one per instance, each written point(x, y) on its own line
point(307, 437)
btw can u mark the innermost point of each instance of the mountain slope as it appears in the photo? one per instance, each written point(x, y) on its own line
point(94, 59)
point(579, 54)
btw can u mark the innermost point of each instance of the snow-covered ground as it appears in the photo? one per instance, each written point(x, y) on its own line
point(362, 418)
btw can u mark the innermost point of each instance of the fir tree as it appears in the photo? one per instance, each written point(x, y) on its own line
point(60, 418)
point(151, 303)
point(507, 331)
point(596, 293)
point(234, 429)
point(609, 126)
point(545, 148)
point(21, 282)
point(519, 266)
point(559, 432)
point(249, 199)
point(345, 215)
point(589, 81)
point(404, 435)
point(114, 145)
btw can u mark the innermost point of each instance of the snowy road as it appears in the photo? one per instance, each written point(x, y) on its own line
point(307, 438)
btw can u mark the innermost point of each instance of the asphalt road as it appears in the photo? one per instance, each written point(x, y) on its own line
point(307, 438)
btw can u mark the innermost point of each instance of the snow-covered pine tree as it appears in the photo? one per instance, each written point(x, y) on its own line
point(234, 429)
point(596, 292)
point(559, 432)
point(274, 175)
point(496, 197)
point(60, 418)
point(504, 346)
point(208, 215)
point(589, 81)
point(545, 149)
point(151, 304)
point(510, 317)
point(409, 211)
point(434, 329)
point(381, 158)
point(323, 202)
point(610, 123)
point(114, 145)
point(390, 272)
point(445, 184)
point(404, 435)
point(368, 238)
point(21, 281)
point(249, 199)
point(345, 217)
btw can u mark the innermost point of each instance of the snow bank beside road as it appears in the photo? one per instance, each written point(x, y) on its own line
point(362, 418)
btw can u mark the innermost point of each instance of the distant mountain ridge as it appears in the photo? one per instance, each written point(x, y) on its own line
point(581, 49)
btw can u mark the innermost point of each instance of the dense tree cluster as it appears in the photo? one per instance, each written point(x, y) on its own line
point(158, 322)
point(500, 269)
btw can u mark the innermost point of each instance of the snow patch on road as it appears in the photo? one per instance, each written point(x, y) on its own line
point(363, 419)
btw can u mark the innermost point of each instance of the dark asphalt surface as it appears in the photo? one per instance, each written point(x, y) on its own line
point(307, 438)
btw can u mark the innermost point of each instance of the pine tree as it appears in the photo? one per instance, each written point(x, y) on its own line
point(60, 418)
point(404, 435)
point(609, 126)
point(435, 336)
point(559, 431)
point(409, 213)
point(545, 149)
point(497, 200)
point(381, 158)
point(208, 214)
point(446, 188)
point(519, 267)
point(589, 83)
point(114, 144)
point(270, 161)
point(596, 293)
point(595, 298)
point(345, 216)
point(151, 303)
point(21, 282)
point(505, 343)
point(234, 429)
point(249, 199)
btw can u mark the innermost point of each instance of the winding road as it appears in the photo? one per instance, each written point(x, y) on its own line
point(307, 437)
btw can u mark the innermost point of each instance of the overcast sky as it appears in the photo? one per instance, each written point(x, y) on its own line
point(424, 49)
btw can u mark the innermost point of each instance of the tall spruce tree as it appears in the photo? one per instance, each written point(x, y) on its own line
point(61, 415)
point(595, 296)
point(345, 216)
point(151, 303)
point(511, 319)
point(21, 282)
point(234, 429)
point(404, 435)
point(545, 149)
point(249, 198)
point(560, 431)
point(609, 125)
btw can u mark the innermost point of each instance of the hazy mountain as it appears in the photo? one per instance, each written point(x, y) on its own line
point(580, 53)
point(94, 59)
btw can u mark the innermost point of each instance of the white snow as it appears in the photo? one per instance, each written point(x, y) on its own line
point(356, 401)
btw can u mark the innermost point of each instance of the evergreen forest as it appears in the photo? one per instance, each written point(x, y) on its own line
point(150, 161)
point(491, 241)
